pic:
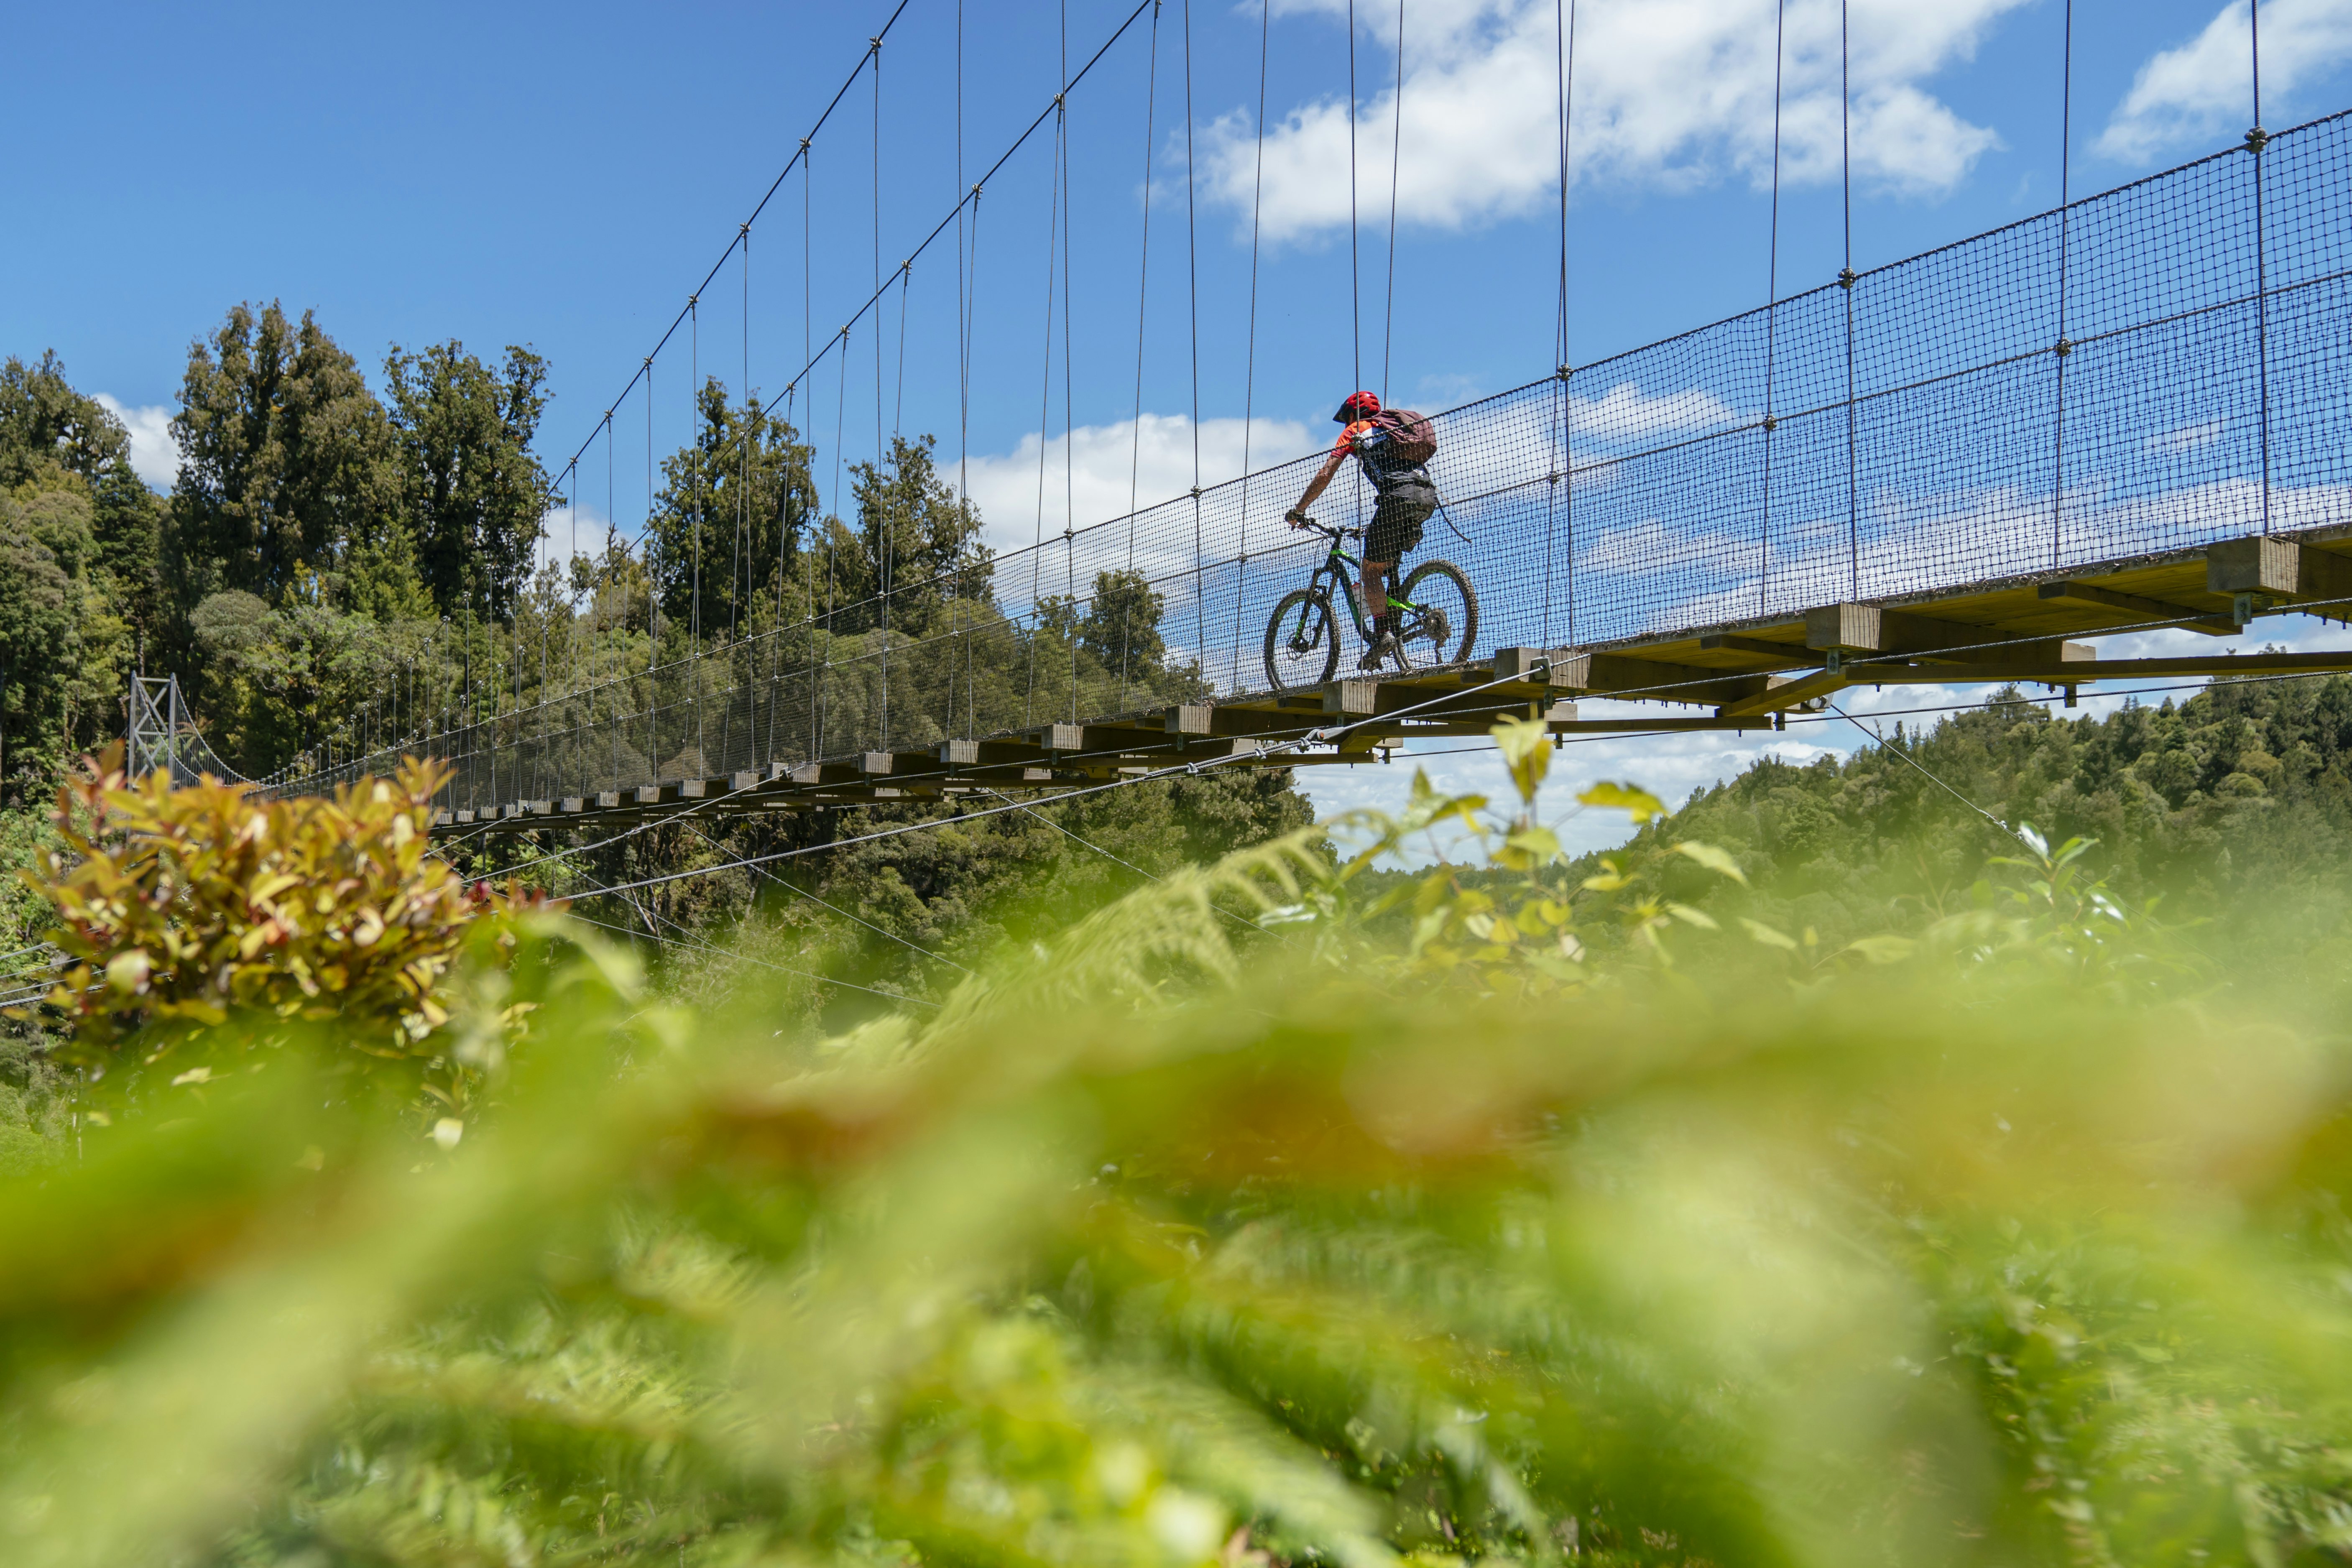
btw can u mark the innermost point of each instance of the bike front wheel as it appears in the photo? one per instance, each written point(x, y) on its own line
point(1443, 625)
point(1302, 641)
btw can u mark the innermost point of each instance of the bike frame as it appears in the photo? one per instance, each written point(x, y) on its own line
point(1343, 569)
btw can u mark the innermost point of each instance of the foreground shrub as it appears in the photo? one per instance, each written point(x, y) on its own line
point(182, 907)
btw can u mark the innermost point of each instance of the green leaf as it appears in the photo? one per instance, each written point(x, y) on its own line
point(1691, 917)
point(1714, 859)
point(1882, 949)
point(1765, 934)
point(1630, 798)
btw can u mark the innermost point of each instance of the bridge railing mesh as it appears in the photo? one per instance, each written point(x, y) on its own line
point(2147, 370)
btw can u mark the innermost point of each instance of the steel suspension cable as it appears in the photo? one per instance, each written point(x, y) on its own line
point(1354, 270)
point(2065, 216)
point(1845, 283)
point(1771, 310)
point(1396, 152)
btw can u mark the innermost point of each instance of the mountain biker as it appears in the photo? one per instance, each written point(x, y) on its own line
point(1406, 499)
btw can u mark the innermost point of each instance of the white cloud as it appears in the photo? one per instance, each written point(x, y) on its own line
point(155, 455)
point(1099, 472)
point(1672, 92)
point(2190, 94)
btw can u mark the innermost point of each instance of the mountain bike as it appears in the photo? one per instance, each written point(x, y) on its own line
point(1436, 611)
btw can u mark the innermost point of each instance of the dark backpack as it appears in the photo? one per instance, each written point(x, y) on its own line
point(1409, 435)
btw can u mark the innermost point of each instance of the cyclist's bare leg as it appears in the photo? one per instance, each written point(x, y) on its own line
point(1375, 585)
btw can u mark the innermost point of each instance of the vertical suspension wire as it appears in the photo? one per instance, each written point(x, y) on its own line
point(1192, 289)
point(887, 555)
point(1142, 298)
point(1249, 364)
point(1396, 152)
point(808, 360)
point(1044, 422)
point(963, 386)
point(1562, 495)
point(1069, 424)
point(1355, 271)
point(1846, 283)
point(2257, 140)
point(1772, 313)
point(697, 434)
point(966, 259)
point(2064, 348)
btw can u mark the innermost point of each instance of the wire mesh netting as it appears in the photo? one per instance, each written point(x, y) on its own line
point(2147, 370)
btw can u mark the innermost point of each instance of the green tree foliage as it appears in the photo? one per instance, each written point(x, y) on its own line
point(2240, 798)
point(473, 495)
point(49, 429)
point(288, 482)
point(731, 520)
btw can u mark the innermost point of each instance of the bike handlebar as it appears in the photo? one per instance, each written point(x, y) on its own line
point(1329, 531)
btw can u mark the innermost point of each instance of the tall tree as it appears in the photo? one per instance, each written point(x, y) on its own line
point(731, 517)
point(921, 540)
point(473, 495)
point(287, 482)
point(47, 428)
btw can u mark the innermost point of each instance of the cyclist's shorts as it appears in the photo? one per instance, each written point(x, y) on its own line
point(1397, 521)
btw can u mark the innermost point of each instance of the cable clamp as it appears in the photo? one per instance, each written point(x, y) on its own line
point(1770, 424)
point(1555, 476)
point(2257, 139)
point(692, 300)
point(2065, 347)
point(1194, 492)
point(1845, 277)
point(1565, 373)
point(743, 229)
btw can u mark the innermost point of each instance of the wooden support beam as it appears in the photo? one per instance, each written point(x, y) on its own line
point(1873, 628)
point(2276, 566)
point(742, 780)
point(1063, 738)
point(1782, 695)
point(573, 804)
point(1786, 653)
point(608, 800)
point(1191, 719)
point(1615, 674)
point(1356, 698)
point(2138, 608)
point(875, 762)
point(649, 795)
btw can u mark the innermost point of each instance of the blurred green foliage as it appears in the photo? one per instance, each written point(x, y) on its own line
point(1222, 1226)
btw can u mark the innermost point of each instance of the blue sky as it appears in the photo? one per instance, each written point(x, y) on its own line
point(564, 177)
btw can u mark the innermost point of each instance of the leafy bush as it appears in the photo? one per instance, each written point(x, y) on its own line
point(183, 908)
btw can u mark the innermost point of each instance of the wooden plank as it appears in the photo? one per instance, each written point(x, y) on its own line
point(1782, 695)
point(1617, 675)
point(573, 804)
point(1787, 653)
point(608, 800)
point(875, 762)
point(1063, 738)
point(1191, 719)
point(1352, 697)
point(960, 753)
point(1873, 628)
point(2140, 608)
point(743, 780)
point(2277, 566)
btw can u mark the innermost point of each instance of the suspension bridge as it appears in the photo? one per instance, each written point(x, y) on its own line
point(2130, 412)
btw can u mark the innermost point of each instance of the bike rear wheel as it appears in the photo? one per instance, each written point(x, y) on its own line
point(1302, 641)
point(1443, 625)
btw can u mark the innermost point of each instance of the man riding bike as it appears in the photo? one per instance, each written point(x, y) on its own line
point(1406, 499)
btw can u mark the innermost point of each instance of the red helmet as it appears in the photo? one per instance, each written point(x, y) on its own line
point(1360, 405)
